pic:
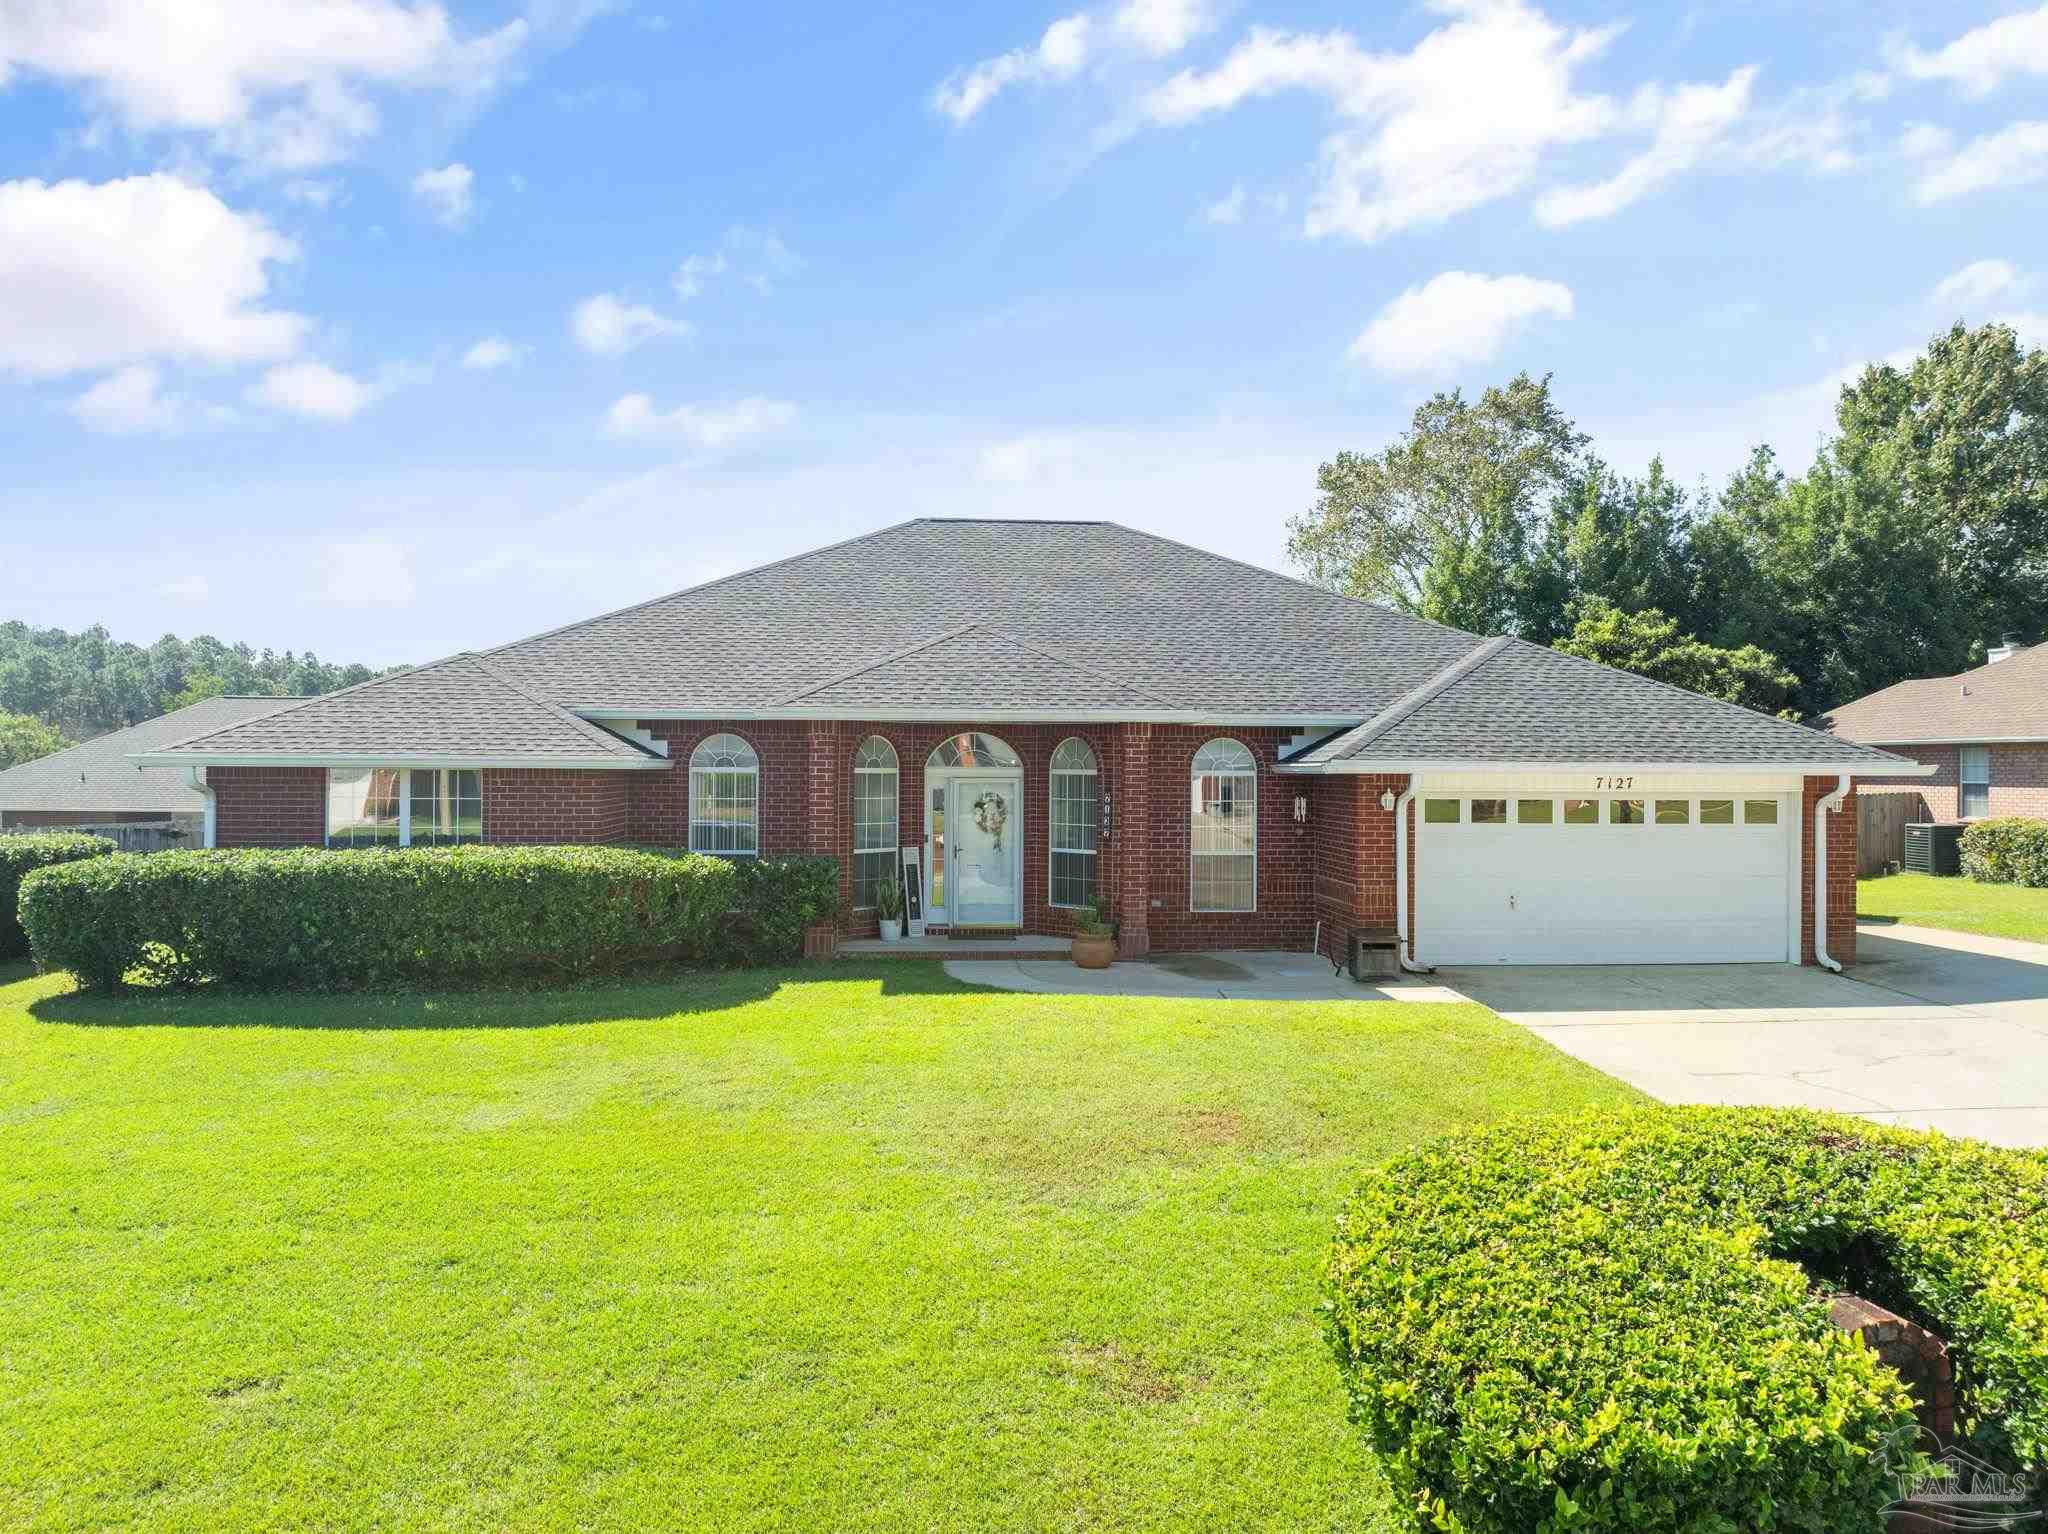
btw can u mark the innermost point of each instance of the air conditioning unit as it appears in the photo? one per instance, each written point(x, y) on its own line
point(1933, 849)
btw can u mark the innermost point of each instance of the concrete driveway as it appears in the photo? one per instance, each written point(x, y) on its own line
point(1939, 1030)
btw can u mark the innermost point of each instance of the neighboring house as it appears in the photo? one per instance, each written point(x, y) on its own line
point(1984, 734)
point(1052, 712)
point(99, 784)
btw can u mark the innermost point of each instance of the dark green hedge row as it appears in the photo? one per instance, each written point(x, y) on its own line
point(22, 855)
point(1616, 1323)
point(2008, 850)
point(311, 919)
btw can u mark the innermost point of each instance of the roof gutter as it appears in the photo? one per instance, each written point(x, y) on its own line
point(196, 777)
point(1607, 767)
point(971, 717)
point(398, 759)
point(1821, 811)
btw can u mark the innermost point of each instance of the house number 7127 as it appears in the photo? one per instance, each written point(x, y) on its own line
point(1614, 782)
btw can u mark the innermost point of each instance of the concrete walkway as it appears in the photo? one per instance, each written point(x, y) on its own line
point(1233, 975)
point(1939, 1030)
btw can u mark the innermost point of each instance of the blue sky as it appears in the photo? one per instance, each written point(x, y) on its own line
point(389, 330)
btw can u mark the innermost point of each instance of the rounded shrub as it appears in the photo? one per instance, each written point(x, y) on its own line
point(319, 920)
point(2009, 850)
point(1620, 1322)
point(20, 856)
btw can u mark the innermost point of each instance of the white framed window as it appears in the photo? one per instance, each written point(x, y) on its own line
point(1973, 776)
point(404, 806)
point(875, 855)
point(725, 797)
point(1223, 828)
point(1072, 797)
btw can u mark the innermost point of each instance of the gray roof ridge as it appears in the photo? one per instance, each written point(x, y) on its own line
point(596, 733)
point(1700, 697)
point(1427, 690)
point(1085, 670)
point(720, 580)
point(293, 705)
point(876, 663)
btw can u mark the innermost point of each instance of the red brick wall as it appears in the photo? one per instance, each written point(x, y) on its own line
point(269, 806)
point(1939, 791)
point(1353, 856)
point(1841, 874)
point(2019, 779)
point(556, 804)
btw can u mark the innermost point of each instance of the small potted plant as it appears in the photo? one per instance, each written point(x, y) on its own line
point(1094, 937)
point(889, 910)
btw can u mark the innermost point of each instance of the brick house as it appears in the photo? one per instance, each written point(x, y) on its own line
point(1981, 736)
point(1040, 715)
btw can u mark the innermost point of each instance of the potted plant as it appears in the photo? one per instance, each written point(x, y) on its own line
point(889, 910)
point(1094, 937)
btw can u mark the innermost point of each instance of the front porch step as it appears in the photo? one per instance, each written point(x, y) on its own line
point(1023, 946)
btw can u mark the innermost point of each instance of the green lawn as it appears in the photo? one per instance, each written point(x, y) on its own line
point(810, 1251)
point(1960, 905)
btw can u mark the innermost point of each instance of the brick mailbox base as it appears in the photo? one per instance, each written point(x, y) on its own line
point(1918, 1356)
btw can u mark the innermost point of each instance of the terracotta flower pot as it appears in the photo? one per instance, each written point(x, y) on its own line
point(1094, 952)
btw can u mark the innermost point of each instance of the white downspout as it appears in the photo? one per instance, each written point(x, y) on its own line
point(1821, 811)
point(1401, 881)
point(196, 777)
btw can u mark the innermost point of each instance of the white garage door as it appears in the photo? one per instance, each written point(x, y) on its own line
point(1678, 879)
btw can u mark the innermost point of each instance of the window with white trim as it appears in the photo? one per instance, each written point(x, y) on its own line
point(875, 854)
point(1223, 829)
point(1973, 775)
point(725, 797)
point(1072, 796)
point(404, 807)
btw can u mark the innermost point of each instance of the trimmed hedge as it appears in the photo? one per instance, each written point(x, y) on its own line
point(2009, 850)
point(311, 919)
point(22, 855)
point(1617, 1323)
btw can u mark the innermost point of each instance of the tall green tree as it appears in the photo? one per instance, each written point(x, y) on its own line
point(1623, 541)
point(23, 738)
point(1440, 523)
point(1650, 644)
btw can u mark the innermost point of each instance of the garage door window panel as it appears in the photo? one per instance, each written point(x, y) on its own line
point(1625, 812)
point(1674, 812)
point(1759, 812)
point(1489, 812)
point(1582, 812)
point(1440, 812)
point(1535, 812)
point(1717, 812)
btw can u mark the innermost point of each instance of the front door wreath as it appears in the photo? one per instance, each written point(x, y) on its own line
point(992, 813)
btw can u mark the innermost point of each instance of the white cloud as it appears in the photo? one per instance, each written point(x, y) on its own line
point(608, 326)
point(1028, 460)
point(1977, 284)
point(1461, 119)
point(1925, 141)
point(1227, 209)
point(1691, 123)
point(312, 389)
point(1456, 319)
point(188, 588)
point(1059, 54)
point(758, 257)
point(2013, 156)
point(367, 572)
point(448, 194)
point(1984, 58)
point(1160, 27)
point(707, 426)
point(98, 275)
point(492, 352)
point(694, 272)
point(129, 403)
point(312, 192)
point(285, 84)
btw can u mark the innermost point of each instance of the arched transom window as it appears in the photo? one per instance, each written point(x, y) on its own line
point(1072, 798)
point(874, 819)
point(725, 797)
point(1223, 830)
point(973, 749)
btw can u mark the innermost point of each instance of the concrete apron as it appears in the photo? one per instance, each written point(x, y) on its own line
point(1232, 975)
point(1937, 1030)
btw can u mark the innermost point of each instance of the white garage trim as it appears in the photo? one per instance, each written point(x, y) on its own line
point(1625, 872)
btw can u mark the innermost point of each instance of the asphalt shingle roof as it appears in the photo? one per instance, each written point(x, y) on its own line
point(1521, 702)
point(963, 669)
point(2004, 700)
point(97, 776)
point(458, 707)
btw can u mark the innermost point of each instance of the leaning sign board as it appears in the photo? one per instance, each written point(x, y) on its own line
point(913, 891)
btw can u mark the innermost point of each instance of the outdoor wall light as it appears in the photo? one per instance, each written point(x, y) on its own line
point(1301, 809)
point(1387, 799)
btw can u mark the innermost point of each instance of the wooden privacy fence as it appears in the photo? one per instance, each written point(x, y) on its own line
point(1881, 817)
point(129, 836)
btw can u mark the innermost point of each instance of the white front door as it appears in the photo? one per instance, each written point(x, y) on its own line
point(1683, 877)
point(984, 828)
